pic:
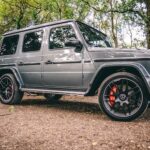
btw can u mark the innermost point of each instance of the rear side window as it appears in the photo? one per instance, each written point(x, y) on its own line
point(59, 35)
point(9, 45)
point(32, 41)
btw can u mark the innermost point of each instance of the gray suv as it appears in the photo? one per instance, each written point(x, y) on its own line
point(70, 57)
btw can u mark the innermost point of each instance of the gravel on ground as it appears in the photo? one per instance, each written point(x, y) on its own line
point(75, 123)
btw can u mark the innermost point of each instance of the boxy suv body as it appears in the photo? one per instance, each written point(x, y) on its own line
point(70, 57)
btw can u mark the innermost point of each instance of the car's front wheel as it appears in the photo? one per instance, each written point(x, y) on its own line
point(122, 96)
point(9, 90)
point(52, 98)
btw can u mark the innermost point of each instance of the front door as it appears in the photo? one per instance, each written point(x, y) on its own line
point(62, 65)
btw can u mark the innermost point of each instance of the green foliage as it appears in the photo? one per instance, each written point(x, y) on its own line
point(109, 15)
point(21, 13)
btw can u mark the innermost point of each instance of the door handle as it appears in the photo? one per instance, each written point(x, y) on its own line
point(21, 63)
point(49, 62)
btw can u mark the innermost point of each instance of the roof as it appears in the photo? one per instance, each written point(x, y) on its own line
point(38, 26)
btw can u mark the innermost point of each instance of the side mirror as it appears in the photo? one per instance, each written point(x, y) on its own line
point(74, 43)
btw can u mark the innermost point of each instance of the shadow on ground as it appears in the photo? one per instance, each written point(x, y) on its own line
point(65, 105)
point(68, 105)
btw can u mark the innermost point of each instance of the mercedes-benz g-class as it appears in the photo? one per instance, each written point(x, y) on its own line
point(70, 57)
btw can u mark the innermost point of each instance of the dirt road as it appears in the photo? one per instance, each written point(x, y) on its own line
point(76, 123)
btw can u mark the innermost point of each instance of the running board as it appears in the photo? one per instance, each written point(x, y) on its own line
point(52, 91)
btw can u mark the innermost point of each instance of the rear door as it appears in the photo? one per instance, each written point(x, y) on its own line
point(29, 62)
point(62, 66)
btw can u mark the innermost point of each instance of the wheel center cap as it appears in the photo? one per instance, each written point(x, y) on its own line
point(122, 97)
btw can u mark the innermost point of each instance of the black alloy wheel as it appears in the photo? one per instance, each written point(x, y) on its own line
point(9, 90)
point(122, 96)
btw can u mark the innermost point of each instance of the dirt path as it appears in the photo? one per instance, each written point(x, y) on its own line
point(74, 124)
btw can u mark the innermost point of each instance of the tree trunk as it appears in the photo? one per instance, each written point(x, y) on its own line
point(59, 10)
point(113, 25)
point(147, 2)
point(18, 23)
point(131, 36)
point(148, 36)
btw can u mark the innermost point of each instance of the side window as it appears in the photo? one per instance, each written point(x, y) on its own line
point(32, 41)
point(59, 35)
point(9, 45)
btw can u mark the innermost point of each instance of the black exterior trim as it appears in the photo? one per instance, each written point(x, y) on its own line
point(121, 59)
point(63, 62)
point(53, 91)
point(7, 65)
point(28, 64)
point(87, 61)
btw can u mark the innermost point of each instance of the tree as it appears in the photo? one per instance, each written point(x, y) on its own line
point(13, 12)
point(138, 10)
point(110, 15)
point(108, 21)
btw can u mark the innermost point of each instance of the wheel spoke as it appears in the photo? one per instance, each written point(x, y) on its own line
point(127, 85)
point(122, 85)
point(132, 89)
point(2, 84)
point(133, 93)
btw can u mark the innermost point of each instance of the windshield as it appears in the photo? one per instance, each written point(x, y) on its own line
point(93, 37)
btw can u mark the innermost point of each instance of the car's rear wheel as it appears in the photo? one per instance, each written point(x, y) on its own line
point(122, 96)
point(9, 90)
point(52, 98)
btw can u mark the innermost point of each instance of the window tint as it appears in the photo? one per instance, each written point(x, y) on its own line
point(9, 45)
point(32, 41)
point(58, 36)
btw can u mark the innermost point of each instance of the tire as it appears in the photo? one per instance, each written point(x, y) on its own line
point(9, 90)
point(52, 98)
point(122, 97)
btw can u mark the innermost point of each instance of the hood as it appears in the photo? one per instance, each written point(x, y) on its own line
point(116, 53)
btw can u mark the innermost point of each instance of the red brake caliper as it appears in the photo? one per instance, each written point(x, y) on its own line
point(112, 98)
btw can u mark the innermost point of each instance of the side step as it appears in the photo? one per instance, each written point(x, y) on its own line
point(52, 91)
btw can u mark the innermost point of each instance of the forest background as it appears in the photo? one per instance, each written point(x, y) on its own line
point(126, 22)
